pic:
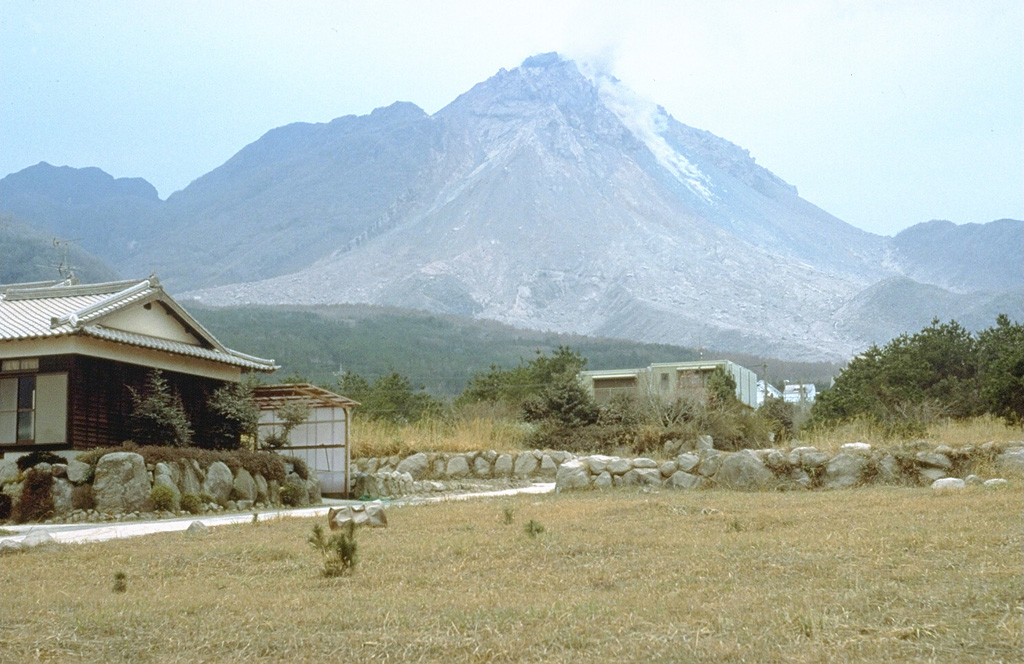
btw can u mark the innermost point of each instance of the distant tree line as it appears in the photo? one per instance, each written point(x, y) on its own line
point(943, 371)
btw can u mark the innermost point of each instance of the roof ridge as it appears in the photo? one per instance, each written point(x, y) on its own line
point(85, 314)
point(42, 290)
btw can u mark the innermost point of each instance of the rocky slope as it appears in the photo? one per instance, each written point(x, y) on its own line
point(551, 199)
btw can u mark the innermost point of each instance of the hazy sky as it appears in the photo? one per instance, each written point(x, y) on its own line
point(885, 114)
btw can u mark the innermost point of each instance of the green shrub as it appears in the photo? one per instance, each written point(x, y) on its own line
point(36, 497)
point(301, 469)
point(268, 464)
point(232, 414)
point(192, 503)
point(158, 416)
point(338, 550)
point(5, 506)
point(533, 528)
point(163, 498)
point(38, 456)
point(291, 494)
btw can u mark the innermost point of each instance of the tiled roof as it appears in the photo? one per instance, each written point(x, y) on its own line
point(57, 309)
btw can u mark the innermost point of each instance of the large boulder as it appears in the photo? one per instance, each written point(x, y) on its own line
point(503, 465)
point(744, 471)
point(683, 480)
point(244, 486)
point(845, 470)
point(78, 472)
point(62, 491)
point(526, 464)
point(219, 482)
point(8, 471)
point(642, 477)
point(572, 475)
point(416, 465)
point(457, 467)
point(189, 480)
point(121, 483)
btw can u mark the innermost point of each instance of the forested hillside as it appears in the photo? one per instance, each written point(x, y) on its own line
point(441, 353)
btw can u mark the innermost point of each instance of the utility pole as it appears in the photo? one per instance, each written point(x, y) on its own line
point(764, 366)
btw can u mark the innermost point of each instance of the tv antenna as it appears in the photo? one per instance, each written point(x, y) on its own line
point(64, 267)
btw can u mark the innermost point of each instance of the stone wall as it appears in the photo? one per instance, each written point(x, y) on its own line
point(800, 467)
point(122, 486)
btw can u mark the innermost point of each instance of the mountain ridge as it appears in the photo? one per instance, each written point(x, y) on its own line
point(548, 198)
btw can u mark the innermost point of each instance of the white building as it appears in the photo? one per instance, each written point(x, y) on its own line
point(799, 393)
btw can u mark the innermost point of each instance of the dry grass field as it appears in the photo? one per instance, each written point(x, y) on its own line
point(868, 575)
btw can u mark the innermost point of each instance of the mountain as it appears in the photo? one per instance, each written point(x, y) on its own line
point(103, 215)
point(27, 255)
point(970, 257)
point(552, 199)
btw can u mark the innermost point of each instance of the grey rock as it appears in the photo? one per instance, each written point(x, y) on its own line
point(197, 529)
point(244, 486)
point(597, 463)
point(171, 470)
point(526, 464)
point(845, 470)
point(548, 467)
point(457, 467)
point(644, 462)
point(121, 483)
point(313, 490)
point(710, 463)
point(934, 460)
point(667, 468)
point(996, 482)
point(619, 466)
point(503, 465)
point(416, 465)
point(642, 477)
point(973, 480)
point(36, 538)
point(62, 490)
point(11, 546)
point(189, 480)
point(887, 470)
point(855, 448)
point(481, 466)
point(8, 470)
point(744, 471)
point(929, 475)
point(704, 443)
point(219, 482)
point(948, 484)
point(78, 472)
point(262, 488)
point(687, 461)
point(603, 480)
point(683, 480)
point(572, 475)
point(1012, 458)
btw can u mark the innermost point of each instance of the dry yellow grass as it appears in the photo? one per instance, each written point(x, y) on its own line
point(871, 575)
point(469, 431)
point(955, 433)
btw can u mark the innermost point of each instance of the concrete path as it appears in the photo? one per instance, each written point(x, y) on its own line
point(98, 532)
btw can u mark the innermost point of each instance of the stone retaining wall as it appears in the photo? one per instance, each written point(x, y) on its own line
point(799, 467)
point(121, 486)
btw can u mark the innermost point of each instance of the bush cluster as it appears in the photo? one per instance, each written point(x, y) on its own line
point(941, 372)
point(268, 464)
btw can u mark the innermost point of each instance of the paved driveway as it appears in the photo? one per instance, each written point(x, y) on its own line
point(98, 532)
